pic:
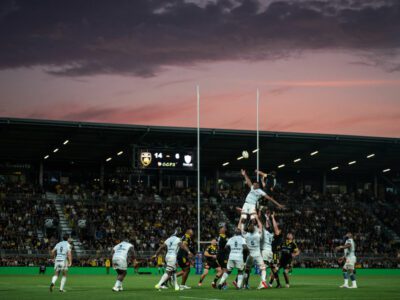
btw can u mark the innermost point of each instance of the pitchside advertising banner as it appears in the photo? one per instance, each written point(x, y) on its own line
point(183, 159)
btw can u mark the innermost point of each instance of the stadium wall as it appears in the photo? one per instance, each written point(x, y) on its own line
point(154, 271)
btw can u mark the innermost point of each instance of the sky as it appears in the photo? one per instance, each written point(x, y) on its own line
point(328, 66)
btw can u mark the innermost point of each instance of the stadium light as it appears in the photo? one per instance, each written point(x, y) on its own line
point(225, 164)
point(371, 155)
point(386, 170)
point(55, 150)
point(66, 142)
point(297, 160)
point(120, 153)
point(108, 159)
point(290, 182)
point(255, 150)
point(46, 157)
point(281, 166)
point(239, 158)
point(314, 153)
point(352, 162)
point(334, 168)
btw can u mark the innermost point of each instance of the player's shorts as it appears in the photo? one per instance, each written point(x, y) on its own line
point(267, 255)
point(275, 258)
point(238, 264)
point(119, 263)
point(211, 264)
point(285, 262)
point(350, 262)
point(170, 262)
point(183, 262)
point(249, 208)
point(222, 261)
point(257, 260)
point(61, 265)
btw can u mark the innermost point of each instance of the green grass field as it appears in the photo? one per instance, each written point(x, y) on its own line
point(85, 287)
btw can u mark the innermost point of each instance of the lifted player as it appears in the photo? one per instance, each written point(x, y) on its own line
point(211, 260)
point(255, 194)
point(172, 245)
point(236, 246)
point(63, 260)
point(350, 258)
point(289, 250)
point(120, 262)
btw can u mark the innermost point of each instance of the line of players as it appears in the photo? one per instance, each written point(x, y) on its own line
point(257, 241)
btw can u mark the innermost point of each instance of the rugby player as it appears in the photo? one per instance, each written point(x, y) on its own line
point(63, 260)
point(120, 262)
point(350, 258)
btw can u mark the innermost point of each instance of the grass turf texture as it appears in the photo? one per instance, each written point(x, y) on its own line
point(98, 287)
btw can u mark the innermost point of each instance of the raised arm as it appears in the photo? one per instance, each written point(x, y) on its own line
point(269, 198)
point(277, 231)
point(261, 173)
point(246, 178)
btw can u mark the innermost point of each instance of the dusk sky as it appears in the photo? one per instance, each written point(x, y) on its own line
point(321, 66)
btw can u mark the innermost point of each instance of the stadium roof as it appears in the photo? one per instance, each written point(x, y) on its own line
point(32, 140)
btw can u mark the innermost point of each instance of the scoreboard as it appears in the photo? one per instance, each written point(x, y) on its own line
point(165, 159)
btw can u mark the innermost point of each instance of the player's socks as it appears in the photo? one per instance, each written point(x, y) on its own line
point(286, 277)
point(216, 278)
point(353, 279)
point(263, 275)
point(223, 278)
point(63, 280)
point(54, 279)
point(277, 279)
point(346, 278)
point(163, 279)
point(240, 280)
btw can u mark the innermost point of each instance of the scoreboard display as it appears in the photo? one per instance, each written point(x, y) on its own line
point(165, 159)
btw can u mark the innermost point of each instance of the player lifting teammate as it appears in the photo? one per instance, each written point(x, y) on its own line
point(236, 246)
point(63, 260)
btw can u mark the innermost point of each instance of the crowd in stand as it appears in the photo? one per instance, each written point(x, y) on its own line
point(101, 217)
point(28, 222)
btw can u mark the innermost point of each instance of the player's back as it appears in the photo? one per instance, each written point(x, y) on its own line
point(253, 242)
point(173, 246)
point(62, 249)
point(267, 240)
point(350, 252)
point(121, 250)
point(236, 244)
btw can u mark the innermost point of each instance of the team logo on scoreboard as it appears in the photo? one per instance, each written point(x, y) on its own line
point(145, 159)
point(188, 161)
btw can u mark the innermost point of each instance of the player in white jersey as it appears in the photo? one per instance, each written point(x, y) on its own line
point(236, 245)
point(252, 198)
point(253, 240)
point(120, 262)
point(172, 246)
point(349, 258)
point(62, 256)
